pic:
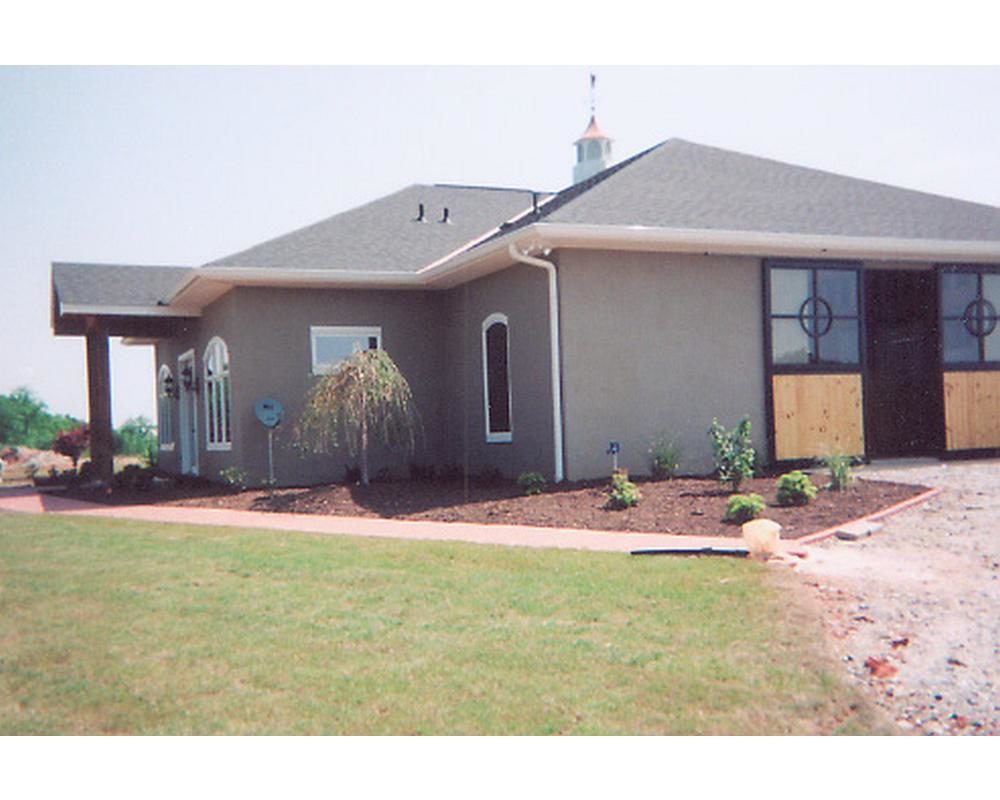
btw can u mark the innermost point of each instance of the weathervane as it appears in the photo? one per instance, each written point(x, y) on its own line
point(593, 94)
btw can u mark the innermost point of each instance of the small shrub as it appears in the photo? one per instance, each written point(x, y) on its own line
point(841, 469)
point(733, 452)
point(72, 443)
point(623, 493)
point(531, 482)
point(134, 478)
point(234, 477)
point(664, 458)
point(744, 507)
point(795, 489)
point(88, 473)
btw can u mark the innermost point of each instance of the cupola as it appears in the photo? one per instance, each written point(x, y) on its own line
point(593, 148)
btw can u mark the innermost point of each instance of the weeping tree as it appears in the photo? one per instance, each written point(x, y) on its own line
point(366, 398)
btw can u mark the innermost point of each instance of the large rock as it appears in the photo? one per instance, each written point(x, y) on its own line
point(762, 537)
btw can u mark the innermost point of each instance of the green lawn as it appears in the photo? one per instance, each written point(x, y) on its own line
point(129, 627)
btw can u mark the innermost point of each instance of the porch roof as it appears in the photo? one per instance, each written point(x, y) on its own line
point(128, 300)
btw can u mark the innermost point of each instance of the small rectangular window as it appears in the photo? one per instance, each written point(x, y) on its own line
point(333, 344)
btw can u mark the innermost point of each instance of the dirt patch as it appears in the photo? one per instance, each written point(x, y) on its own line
point(911, 611)
point(693, 506)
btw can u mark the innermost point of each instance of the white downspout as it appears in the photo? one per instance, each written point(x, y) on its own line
point(555, 357)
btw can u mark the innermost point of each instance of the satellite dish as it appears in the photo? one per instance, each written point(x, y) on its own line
point(268, 411)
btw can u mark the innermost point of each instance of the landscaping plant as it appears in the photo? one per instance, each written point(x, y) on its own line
point(840, 467)
point(744, 507)
point(664, 457)
point(234, 477)
point(795, 489)
point(531, 482)
point(365, 398)
point(72, 443)
point(733, 452)
point(623, 493)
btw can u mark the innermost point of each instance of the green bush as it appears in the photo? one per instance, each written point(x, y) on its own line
point(623, 493)
point(531, 482)
point(733, 452)
point(664, 457)
point(841, 469)
point(744, 507)
point(234, 477)
point(795, 489)
point(135, 478)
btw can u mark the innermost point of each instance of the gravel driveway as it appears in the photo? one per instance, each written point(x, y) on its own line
point(922, 598)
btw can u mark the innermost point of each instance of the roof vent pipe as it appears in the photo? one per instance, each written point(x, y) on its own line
point(420, 213)
point(446, 218)
point(534, 202)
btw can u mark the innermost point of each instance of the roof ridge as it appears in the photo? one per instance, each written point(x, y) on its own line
point(479, 187)
point(565, 196)
point(829, 172)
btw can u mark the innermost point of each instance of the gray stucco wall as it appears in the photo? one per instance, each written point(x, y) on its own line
point(657, 342)
point(521, 293)
point(267, 334)
point(650, 342)
point(219, 319)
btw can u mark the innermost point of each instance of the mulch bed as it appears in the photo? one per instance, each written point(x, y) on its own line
point(693, 506)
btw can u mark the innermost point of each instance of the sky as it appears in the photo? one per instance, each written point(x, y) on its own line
point(182, 165)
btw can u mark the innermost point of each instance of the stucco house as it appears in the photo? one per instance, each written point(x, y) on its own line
point(684, 283)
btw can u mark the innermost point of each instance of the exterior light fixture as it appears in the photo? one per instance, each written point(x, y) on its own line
point(169, 389)
point(188, 379)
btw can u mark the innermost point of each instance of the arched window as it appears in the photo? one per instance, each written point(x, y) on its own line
point(218, 401)
point(496, 378)
point(165, 408)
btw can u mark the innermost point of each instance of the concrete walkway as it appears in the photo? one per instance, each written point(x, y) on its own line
point(31, 501)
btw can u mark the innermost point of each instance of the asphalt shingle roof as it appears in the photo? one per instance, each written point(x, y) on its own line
point(114, 284)
point(383, 236)
point(679, 184)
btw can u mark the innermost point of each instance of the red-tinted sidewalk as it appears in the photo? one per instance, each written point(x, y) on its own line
point(31, 501)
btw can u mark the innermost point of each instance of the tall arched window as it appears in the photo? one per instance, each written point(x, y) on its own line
point(218, 401)
point(165, 408)
point(496, 378)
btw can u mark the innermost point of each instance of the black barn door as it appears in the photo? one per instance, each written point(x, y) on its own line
point(903, 395)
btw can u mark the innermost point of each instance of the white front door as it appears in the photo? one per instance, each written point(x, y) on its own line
point(188, 416)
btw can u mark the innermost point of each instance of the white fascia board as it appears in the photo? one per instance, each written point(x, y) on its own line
point(461, 266)
point(209, 283)
point(762, 243)
point(128, 311)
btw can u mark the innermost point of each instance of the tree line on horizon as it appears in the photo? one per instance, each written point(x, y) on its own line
point(25, 420)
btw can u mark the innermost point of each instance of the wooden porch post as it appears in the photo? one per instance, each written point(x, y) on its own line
point(102, 446)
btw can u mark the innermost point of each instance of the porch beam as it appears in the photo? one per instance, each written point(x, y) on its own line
point(102, 446)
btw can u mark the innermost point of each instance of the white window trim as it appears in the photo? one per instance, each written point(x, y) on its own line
point(504, 436)
point(167, 447)
point(353, 331)
point(210, 445)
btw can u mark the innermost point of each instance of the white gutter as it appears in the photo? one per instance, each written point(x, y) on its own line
point(766, 243)
point(555, 357)
point(447, 271)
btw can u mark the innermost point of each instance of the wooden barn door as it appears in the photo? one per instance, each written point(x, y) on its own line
point(814, 340)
